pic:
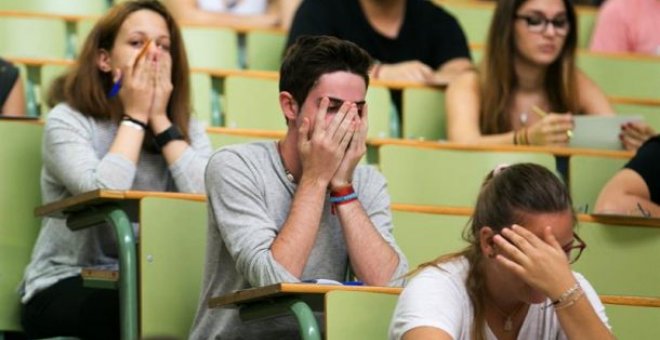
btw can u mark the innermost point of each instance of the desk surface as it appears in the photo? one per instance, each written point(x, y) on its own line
point(101, 196)
point(281, 289)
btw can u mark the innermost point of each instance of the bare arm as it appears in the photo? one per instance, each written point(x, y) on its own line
point(422, 333)
point(462, 102)
point(450, 70)
point(187, 11)
point(372, 258)
point(15, 103)
point(592, 99)
point(623, 193)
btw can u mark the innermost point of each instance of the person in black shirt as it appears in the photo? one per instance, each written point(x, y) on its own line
point(635, 190)
point(12, 101)
point(412, 40)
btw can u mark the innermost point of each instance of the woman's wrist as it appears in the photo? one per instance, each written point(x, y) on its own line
point(159, 123)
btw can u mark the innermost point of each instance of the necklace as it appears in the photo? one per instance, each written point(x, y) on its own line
point(288, 173)
point(508, 318)
point(523, 118)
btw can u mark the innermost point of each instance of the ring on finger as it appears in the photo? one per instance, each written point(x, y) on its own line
point(569, 133)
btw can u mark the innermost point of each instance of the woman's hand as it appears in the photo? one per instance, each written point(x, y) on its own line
point(542, 264)
point(552, 130)
point(162, 90)
point(634, 134)
point(137, 88)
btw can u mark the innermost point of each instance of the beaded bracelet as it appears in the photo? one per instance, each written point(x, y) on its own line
point(569, 297)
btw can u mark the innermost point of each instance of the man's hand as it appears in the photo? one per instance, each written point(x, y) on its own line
point(356, 150)
point(323, 148)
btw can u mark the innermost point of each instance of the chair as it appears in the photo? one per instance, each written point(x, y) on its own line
point(424, 114)
point(252, 103)
point(623, 76)
point(200, 96)
point(358, 315)
point(620, 259)
point(585, 183)
point(383, 118)
point(631, 321)
point(423, 237)
point(172, 249)
point(211, 47)
point(20, 156)
point(61, 7)
point(32, 37)
point(264, 49)
point(449, 177)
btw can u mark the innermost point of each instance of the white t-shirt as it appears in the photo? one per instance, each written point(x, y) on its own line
point(240, 7)
point(438, 298)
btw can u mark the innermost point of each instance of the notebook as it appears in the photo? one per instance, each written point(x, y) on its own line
point(599, 132)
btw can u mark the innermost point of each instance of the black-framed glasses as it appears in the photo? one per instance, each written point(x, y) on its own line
point(538, 24)
point(574, 249)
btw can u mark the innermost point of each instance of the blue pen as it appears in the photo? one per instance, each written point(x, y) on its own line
point(353, 283)
point(115, 89)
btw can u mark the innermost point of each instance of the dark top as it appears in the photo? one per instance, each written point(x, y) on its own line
point(8, 77)
point(647, 164)
point(428, 33)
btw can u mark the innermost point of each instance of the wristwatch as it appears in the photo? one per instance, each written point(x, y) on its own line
point(172, 133)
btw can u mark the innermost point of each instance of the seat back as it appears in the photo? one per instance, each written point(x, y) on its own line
point(20, 156)
point(252, 103)
point(200, 95)
point(650, 113)
point(423, 237)
point(358, 315)
point(33, 37)
point(447, 177)
point(623, 76)
point(64, 7)
point(424, 113)
point(222, 136)
point(211, 47)
point(264, 49)
point(634, 322)
point(585, 183)
point(172, 245)
point(620, 259)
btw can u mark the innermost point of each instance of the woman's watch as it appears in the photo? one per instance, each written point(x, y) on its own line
point(170, 134)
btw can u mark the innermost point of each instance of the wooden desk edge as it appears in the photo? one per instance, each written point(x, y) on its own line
point(58, 208)
point(253, 294)
point(635, 221)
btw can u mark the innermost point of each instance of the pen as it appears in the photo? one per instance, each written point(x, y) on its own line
point(116, 86)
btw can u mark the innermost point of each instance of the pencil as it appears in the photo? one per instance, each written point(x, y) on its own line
point(538, 111)
point(143, 51)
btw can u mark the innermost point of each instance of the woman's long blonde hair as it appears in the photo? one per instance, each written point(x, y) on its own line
point(505, 198)
point(498, 78)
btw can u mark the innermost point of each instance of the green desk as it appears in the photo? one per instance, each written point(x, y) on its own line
point(119, 209)
point(301, 299)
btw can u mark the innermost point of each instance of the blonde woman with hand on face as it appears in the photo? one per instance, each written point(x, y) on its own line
point(514, 280)
point(123, 122)
point(528, 68)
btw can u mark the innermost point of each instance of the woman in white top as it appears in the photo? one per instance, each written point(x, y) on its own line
point(529, 61)
point(514, 279)
point(236, 13)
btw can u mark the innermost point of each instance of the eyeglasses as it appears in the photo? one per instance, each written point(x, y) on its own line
point(538, 24)
point(574, 250)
